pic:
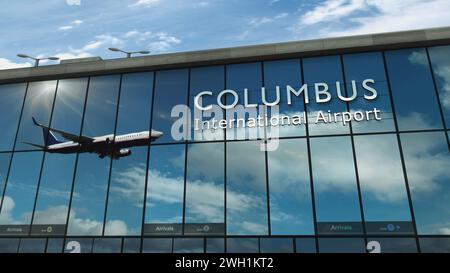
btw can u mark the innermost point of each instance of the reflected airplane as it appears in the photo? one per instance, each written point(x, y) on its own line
point(107, 145)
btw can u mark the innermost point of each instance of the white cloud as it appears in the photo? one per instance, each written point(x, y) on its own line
point(256, 22)
point(7, 64)
point(73, 2)
point(71, 25)
point(145, 3)
point(385, 16)
point(332, 10)
point(164, 42)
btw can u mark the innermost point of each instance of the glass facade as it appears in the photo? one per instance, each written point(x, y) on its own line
point(328, 185)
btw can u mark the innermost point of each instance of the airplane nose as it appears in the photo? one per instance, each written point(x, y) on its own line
point(156, 134)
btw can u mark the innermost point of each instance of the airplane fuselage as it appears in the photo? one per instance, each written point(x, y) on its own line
point(107, 144)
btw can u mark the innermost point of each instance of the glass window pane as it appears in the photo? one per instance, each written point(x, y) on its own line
point(32, 245)
point(246, 189)
point(341, 245)
point(92, 174)
point(305, 245)
point(427, 163)
point(290, 189)
point(18, 203)
point(276, 245)
point(107, 245)
point(242, 245)
point(360, 67)
point(383, 189)
point(55, 245)
point(171, 88)
point(434, 245)
point(57, 175)
point(164, 208)
point(414, 96)
point(157, 245)
point(283, 73)
point(78, 245)
point(325, 70)
point(239, 77)
point(215, 245)
point(440, 60)
point(9, 245)
point(396, 245)
point(206, 79)
point(205, 189)
point(335, 187)
point(38, 104)
point(188, 245)
point(131, 245)
point(126, 195)
point(11, 100)
point(4, 166)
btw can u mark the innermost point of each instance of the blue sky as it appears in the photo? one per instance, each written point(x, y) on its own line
point(82, 28)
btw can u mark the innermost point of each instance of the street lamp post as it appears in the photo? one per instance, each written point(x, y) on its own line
point(36, 60)
point(129, 53)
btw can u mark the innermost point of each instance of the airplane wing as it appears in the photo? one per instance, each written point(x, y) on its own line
point(67, 135)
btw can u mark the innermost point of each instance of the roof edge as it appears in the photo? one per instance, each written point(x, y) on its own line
point(347, 44)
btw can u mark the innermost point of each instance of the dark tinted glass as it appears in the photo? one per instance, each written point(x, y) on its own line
point(335, 187)
point(242, 245)
point(107, 245)
point(383, 187)
point(9, 245)
point(281, 74)
point(92, 174)
point(210, 79)
point(131, 245)
point(57, 174)
point(440, 60)
point(414, 96)
point(427, 163)
point(171, 88)
point(434, 245)
point(290, 190)
point(55, 245)
point(325, 70)
point(396, 245)
point(341, 245)
point(11, 100)
point(165, 189)
point(38, 104)
point(276, 245)
point(188, 245)
point(32, 245)
point(205, 189)
point(305, 245)
point(157, 245)
point(246, 189)
point(358, 68)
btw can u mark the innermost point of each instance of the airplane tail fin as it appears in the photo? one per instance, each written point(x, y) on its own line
point(49, 137)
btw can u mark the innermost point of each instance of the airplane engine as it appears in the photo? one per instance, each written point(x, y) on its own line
point(124, 152)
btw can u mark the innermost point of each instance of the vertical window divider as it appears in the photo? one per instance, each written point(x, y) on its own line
point(355, 162)
point(266, 167)
point(75, 168)
point(225, 170)
point(436, 90)
point(311, 176)
point(144, 208)
point(188, 131)
point(43, 159)
point(405, 175)
point(111, 159)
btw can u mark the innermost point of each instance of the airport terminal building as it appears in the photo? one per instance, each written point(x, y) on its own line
point(330, 145)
